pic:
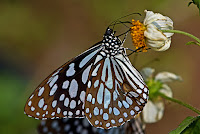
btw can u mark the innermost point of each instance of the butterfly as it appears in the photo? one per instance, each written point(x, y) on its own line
point(82, 126)
point(100, 84)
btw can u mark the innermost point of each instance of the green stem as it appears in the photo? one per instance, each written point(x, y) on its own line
point(184, 33)
point(181, 103)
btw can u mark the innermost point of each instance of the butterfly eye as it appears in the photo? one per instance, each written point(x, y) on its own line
point(109, 32)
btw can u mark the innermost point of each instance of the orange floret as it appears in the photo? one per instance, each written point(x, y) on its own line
point(137, 33)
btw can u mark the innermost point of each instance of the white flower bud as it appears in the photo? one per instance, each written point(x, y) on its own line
point(155, 38)
point(153, 111)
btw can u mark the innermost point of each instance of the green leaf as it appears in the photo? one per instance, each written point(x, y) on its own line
point(154, 87)
point(190, 3)
point(190, 125)
point(196, 2)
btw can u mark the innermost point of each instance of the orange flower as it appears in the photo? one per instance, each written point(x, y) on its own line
point(137, 33)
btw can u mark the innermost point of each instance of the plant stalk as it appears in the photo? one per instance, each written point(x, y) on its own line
point(181, 103)
point(184, 33)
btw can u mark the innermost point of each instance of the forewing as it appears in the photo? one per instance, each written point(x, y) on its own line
point(62, 93)
point(116, 93)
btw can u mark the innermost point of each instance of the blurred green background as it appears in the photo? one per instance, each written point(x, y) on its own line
point(37, 36)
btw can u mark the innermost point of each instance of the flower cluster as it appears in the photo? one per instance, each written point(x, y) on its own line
point(154, 109)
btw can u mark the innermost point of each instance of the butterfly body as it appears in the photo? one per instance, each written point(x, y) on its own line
point(100, 83)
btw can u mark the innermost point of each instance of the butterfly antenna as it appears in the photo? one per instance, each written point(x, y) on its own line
point(123, 17)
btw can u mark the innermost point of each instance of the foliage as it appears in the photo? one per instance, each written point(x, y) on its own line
point(197, 3)
point(190, 125)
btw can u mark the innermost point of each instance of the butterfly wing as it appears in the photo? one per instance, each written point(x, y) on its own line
point(66, 126)
point(62, 93)
point(82, 126)
point(135, 126)
point(116, 92)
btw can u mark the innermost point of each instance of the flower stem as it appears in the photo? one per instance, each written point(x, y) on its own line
point(181, 103)
point(184, 33)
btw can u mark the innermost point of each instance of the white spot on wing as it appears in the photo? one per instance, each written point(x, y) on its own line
point(98, 58)
point(65, 84)
point(105, 116)
point(40, 92)
point(96, 122)
point(96, 111)
point(145, 89)
point(89, 97)
point(38, 114)
point(116, 111)
point(66, 102)
point(134, 94)
point(107, 98)
point(100, 94)
point(41, 103)
point(55, 78)
point(87, 110)
point(29, 103)
point(77, 112)
point(119, 104)
point(93, 100)
point(110, 110)
point(113, 121)
point(89, 84)
point(125, 114)
point(82, 96)
point(141, 100)
point(32, 108)
point(132, 112)
point(71, 70)
point(65, 113)
point(62, 97)
point(72, 104)
point(107, 124)
point(54, 103)
point(86, 74)
point(96, 83)
point(73, 88)
point(70, 113)
point(139, 91)
point(120, 120)
point(126, 105)
point(53, 90)
point(94, 72)
point(115, 95)
point(45, 107)
point(129, 100)
point(87, 58)
point(145, 96)
point(58, 110)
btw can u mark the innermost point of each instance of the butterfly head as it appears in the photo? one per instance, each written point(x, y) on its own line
point(111, 43)
point(109, 32)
